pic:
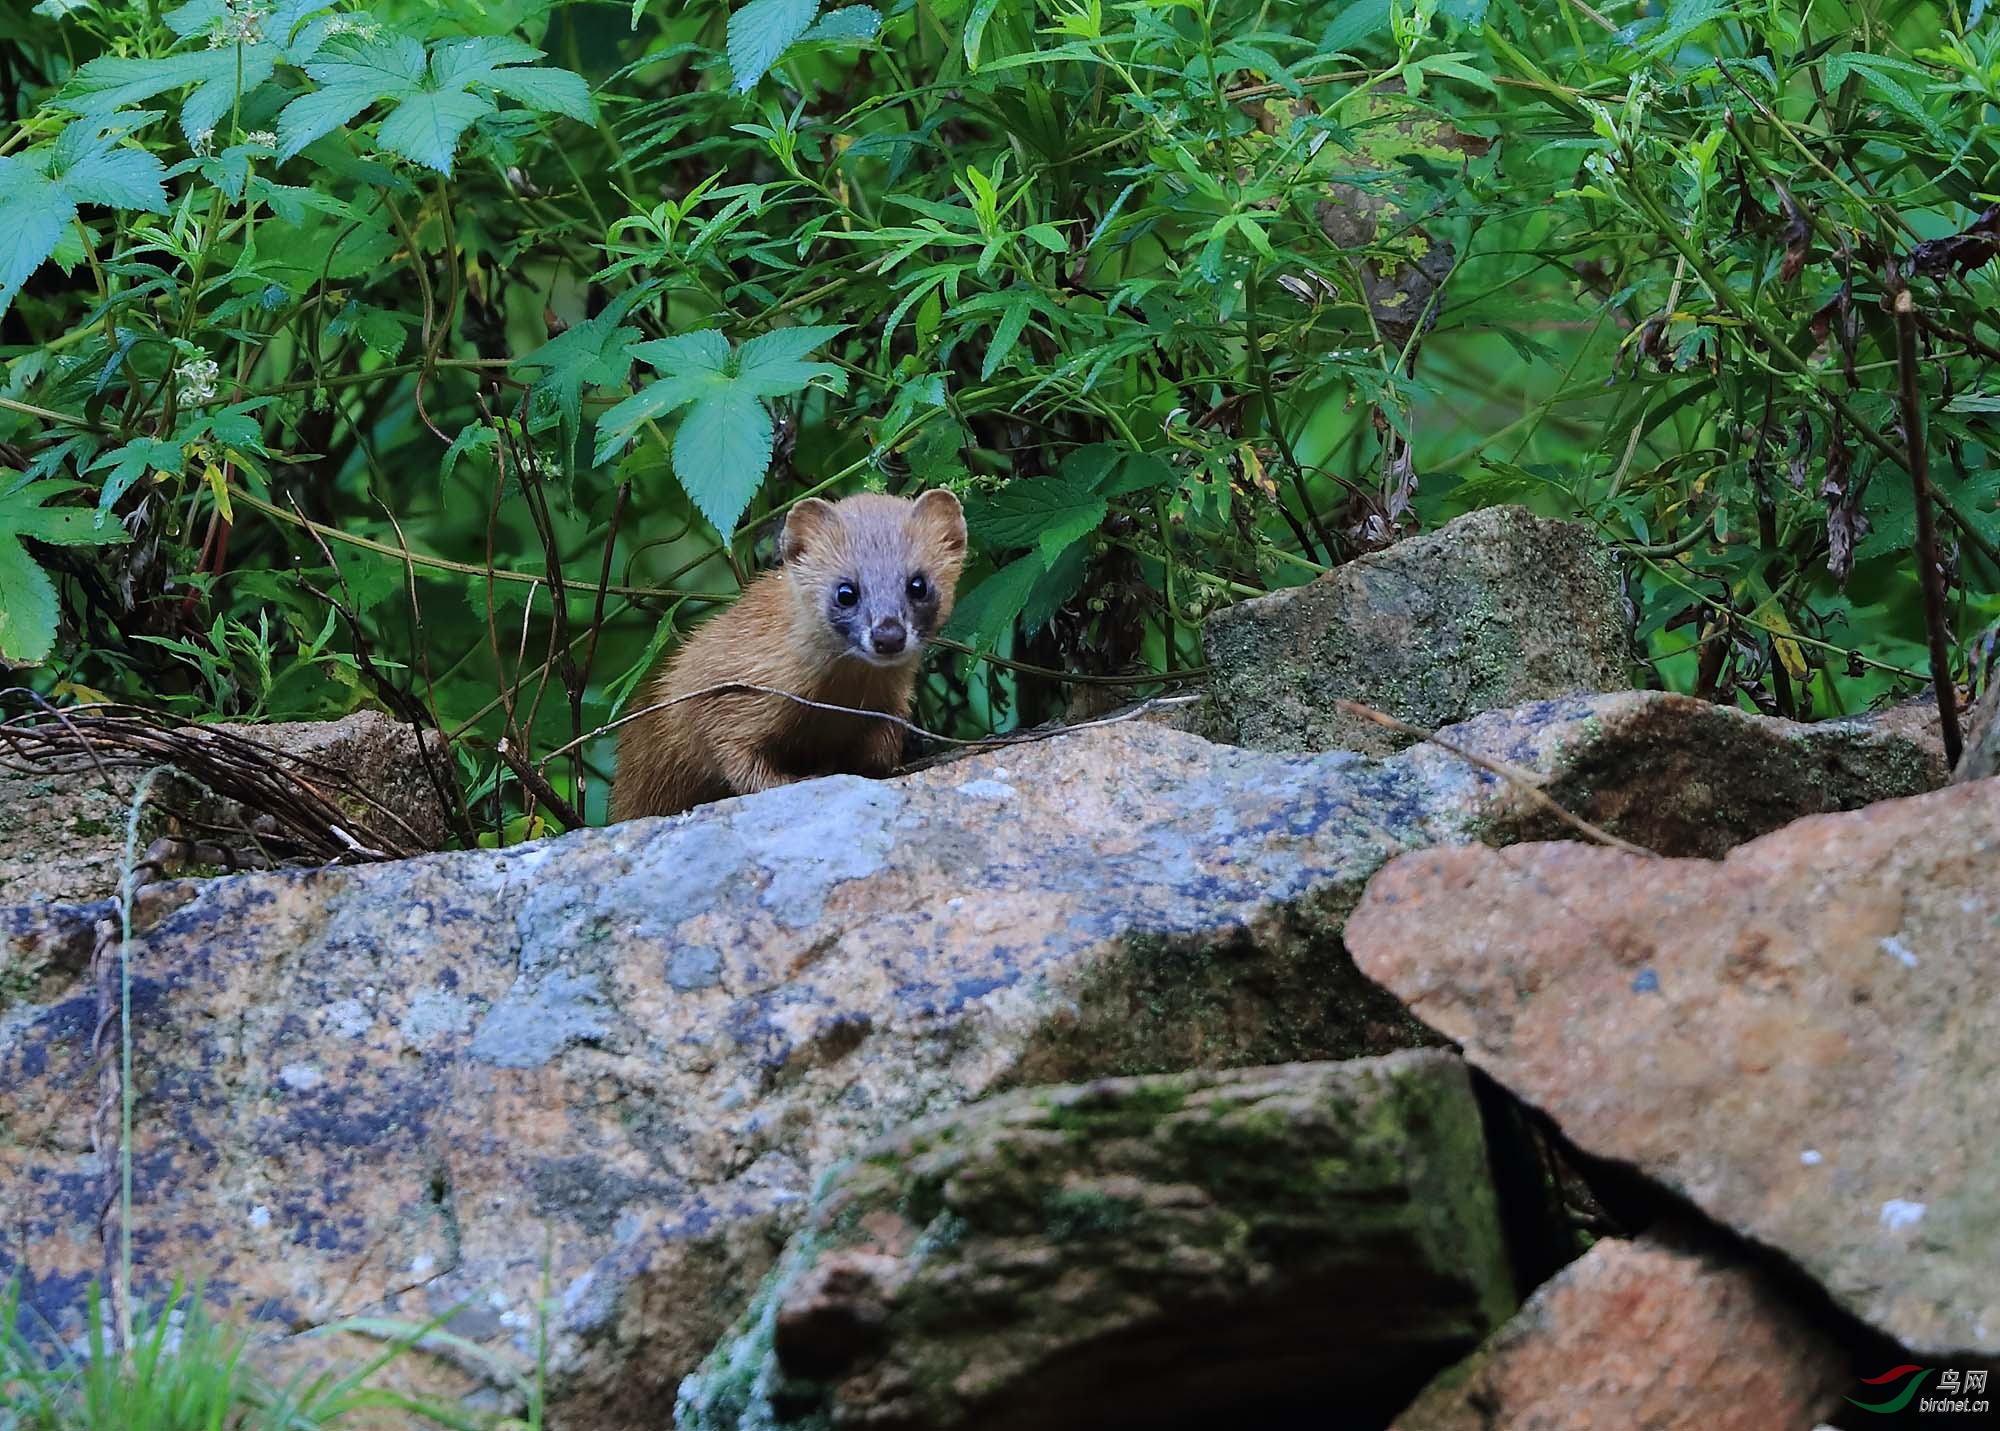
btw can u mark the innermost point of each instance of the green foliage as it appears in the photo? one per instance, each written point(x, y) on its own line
point(460, 356)
point(28, 609)
point(181, 1371)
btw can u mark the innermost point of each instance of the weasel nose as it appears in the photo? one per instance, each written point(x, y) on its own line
point(888, 637)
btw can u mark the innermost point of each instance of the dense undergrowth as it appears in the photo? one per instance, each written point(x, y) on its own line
point(456, 357)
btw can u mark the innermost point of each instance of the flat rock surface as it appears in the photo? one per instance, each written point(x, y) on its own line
point(1643, 1336)
point(615, 1062)
point(1803, 1039)
point(1168, 1251)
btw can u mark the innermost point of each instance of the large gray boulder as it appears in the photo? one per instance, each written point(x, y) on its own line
point(613, 1064)
point(1494, 609)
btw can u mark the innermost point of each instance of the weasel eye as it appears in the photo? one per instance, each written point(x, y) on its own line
point(920, 588)
point(845, 594)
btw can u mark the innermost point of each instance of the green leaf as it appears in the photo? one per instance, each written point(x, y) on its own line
point(1684, 17)
point(1032, 510)
point(781, 347)
point(760, 32)
point(86, 165)
point(706, 351)
point(592, 353)
point(28, 607)
point(117, 177)
point(371, 70)
point(34, 212)
point(975, 30)
point(769, 365)
point(721, 453)
point(127, 465)
point(543, 88)
point(649, 404)
point(1361, 20)
point(426, 127)
point(1058, 584)
point(1006, 334)
point(851, 24)
point(987, 612)
point(477, 60)
point(1049, 237)
point(112, 82)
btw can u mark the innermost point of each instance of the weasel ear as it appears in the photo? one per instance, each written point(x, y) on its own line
point(805, 527)
point(939, 513)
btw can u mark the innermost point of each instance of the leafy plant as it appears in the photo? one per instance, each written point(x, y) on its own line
point(459, 358)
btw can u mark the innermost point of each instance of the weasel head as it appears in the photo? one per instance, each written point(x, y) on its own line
point(874, 576)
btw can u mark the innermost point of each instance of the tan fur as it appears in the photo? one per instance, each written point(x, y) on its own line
point(776, 635)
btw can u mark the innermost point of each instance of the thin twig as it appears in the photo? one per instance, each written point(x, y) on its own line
point(539, 787)
point(987, 742)
point(1929, 575)
point(1525, 781)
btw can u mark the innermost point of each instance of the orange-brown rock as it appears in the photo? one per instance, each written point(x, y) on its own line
point(1643, 1336)
point(1802, 1040)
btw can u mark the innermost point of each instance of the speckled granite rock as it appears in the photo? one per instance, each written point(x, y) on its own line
point(620, 1058)
point(1643, 1336)
point(1493, 609)
point(1178, 1250)
point(1800, 1040)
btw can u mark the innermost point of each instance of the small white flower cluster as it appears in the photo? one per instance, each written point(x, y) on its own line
point(243, 24)
point(358, 26)
point(197, 377)
point(202, 142)
point(262, 138)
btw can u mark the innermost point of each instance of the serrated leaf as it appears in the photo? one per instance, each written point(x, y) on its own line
point(127, 465)
point(117, 177)
point(362, 74)
point(851, 25)
point(769, 365)
point(34, 211)
point(1026, 511)
point(456, 63)
point(474, 437)
point(773, 351)
point(591, 353)
point(649, 404)
point(705, 351)
point(425, 127)
point(760, 32)
point(112, 82)
point(543, 88)
point(28, 609)
point(721, 453)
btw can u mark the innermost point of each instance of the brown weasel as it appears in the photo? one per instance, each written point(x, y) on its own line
point(865, 582)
